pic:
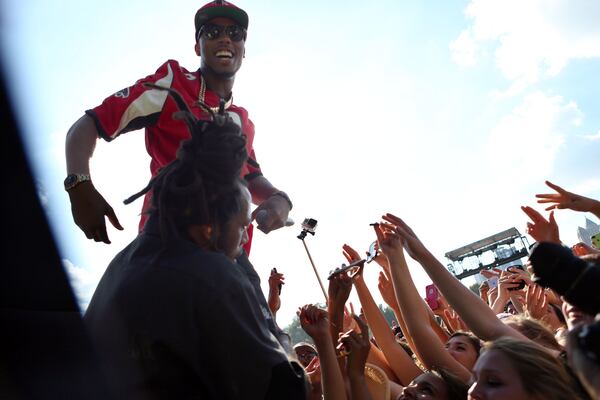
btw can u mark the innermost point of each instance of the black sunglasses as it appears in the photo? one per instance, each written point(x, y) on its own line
point(212, 32)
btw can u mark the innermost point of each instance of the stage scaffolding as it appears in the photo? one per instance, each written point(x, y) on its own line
point(494, 251)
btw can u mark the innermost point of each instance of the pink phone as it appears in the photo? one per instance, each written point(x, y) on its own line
point(431, 296)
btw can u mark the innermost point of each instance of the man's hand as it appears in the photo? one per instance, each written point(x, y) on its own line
point(89, 209)
point(272, 214)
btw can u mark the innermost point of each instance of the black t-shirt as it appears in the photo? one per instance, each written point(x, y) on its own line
point(181, 322)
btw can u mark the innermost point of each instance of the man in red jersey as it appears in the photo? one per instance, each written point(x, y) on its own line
point(220, 42)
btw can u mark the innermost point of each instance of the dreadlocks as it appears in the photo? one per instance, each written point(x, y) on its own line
point(202, 185)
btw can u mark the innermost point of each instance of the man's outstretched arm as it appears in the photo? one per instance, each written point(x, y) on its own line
point(87, 204)
point(274, 205)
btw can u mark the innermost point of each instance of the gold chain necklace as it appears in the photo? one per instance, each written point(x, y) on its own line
point(203, 92)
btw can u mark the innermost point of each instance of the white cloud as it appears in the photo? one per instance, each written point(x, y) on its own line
point(42, 193)
point(532, 39)
point(83, 281)
point(464, 49)
point(525, 142)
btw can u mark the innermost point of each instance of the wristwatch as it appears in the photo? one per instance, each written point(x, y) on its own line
point(73, 180)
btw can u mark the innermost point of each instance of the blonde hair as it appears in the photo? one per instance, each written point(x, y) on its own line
point(533, 329)
point(542, 374)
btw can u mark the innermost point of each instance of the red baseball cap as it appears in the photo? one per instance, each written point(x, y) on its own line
point(220, 8)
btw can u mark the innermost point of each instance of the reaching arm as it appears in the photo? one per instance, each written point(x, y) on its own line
point(563, 199)
point(431, 349)
point(358, 346)
point(376, 357)
point(87, 205)
point(276, 280)
point(274, 205)
point(386, 288)
point(315, 323)
point(475, 313)
point(400, 362)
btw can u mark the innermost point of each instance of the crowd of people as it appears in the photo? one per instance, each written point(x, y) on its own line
point(519, 339)
point(179, 313)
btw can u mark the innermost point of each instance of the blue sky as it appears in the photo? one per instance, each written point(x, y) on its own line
point(450, 114)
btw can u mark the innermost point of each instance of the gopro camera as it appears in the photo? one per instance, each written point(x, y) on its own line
point(309, 225)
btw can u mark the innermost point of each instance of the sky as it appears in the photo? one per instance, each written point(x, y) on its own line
point(450, 114)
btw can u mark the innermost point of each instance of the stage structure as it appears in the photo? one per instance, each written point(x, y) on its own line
point(495, 251)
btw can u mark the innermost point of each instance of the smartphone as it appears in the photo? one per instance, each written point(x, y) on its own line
point(596, 241)
point(431, 296)
point(274, 271)
point(372, 253)
point(493, 282)
point(345, 268)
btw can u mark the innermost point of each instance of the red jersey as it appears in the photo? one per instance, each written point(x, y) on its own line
point(139, 107)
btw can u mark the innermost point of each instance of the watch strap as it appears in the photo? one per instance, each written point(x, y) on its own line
point(73, 180)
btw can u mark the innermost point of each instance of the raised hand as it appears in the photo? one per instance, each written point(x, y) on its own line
point(490, 273)
point(314, 321)
point(582, 249)
point(390, 242)
point(410, 241)
point(540, 228)
point(339, 289)
point(350, 254)
point(349, 322)
point(276, 279)
point(313, 371)
point(357, 346)
point(563, 199)
point(386, 288)
point(484, 289)
point(454, 322)
point(536, 302)
point(507, 282)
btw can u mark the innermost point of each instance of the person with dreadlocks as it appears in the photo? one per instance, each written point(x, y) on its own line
point(174, 315)
point(220, 36)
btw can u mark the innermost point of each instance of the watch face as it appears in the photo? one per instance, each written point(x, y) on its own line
point(70, 180)
point(73, 180)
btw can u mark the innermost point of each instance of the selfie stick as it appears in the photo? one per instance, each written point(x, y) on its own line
point(301, 237)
